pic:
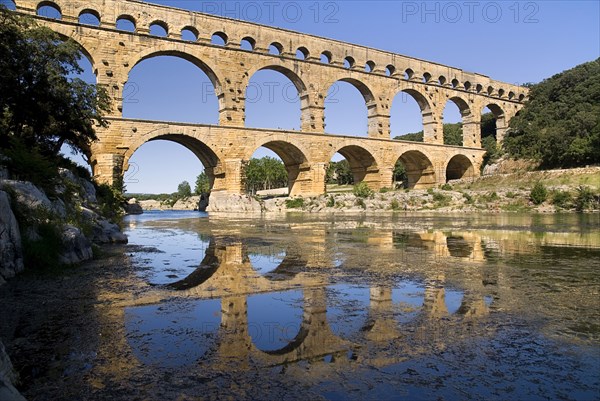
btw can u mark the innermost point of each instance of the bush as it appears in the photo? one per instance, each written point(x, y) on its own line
point(562, 199)
point(511, 195)
point(538, 194)
point(446, 187)
point(467, 197)
point(295, 203)
point(441, 199)
point(585, 198)
point(43, 252)
point(362, 190)
point(110, 200)
point(430, 191)
point(385, 190)
point(360, 202)
point(395, 205)
point(330, 202)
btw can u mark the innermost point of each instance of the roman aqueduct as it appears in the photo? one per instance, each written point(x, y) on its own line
point(313, 64)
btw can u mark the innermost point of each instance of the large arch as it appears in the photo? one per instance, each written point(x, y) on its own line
point(362, 163)
point(209, 159)
point(470, 128)
point(212, 73)
point(174, 88)
point(370, 106)
point(459, 167)
point(419, 169)
point(501, 123)
point(293, 158)
point(427, 115)
point(278, 92)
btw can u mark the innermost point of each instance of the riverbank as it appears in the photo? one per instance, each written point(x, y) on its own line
point(558, 191)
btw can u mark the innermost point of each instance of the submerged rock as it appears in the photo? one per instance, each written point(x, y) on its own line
point(11, 252)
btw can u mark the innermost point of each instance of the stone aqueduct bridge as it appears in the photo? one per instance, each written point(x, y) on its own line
point(313, 64)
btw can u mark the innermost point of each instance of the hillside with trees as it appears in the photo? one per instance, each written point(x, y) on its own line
point(560, 124)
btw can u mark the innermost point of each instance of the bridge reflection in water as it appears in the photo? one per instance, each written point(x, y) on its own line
point(273, 302)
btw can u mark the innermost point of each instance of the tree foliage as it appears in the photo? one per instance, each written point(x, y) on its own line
point(339, 173)
point(560, 124)
point(202, 184)
point(40, 105)
point(265, 173)
point(184, 190)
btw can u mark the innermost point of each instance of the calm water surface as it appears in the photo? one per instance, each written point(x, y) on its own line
point(396, 307)
point(402, 307)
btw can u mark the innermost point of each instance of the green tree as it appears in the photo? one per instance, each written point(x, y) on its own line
point(339, 173)
point(40, 106)
point(453, 134)
point(560, 124)
point(184, 190)
point(202, 184)
point(265, 173)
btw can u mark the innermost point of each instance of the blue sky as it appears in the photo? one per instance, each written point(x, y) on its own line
point(511, 41)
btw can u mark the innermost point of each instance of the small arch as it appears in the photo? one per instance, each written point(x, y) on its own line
point(190, 34)
point(370, 66)
point(361, 161)
point(459, 167)
point(248, 43)
point(419, 169)
point(49, 9)
point(326, 57)
point(455, 83)
point(276, 49)
point(511, 95)
point(302, 53)
point(159, 28)
point(126, 23)
point(349, 62)
point(390, 70)
point(219, 39)
point(426, 77)
point(442, 80)
point(409, 74)
point(89, 17)
point(467, 85)
point(9, 4)
point(521, 97)
point(490, 90)
point(478, 88)
point(500, 92)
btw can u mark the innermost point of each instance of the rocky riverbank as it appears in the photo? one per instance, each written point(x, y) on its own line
point(40, 230)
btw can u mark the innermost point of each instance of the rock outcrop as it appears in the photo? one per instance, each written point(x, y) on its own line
point(221, 202)
point(8, 378)
point(133, 207)
point(11, 252)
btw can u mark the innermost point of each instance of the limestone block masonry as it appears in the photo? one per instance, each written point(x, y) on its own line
point(225, 149)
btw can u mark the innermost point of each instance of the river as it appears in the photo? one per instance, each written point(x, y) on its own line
point(395, 307)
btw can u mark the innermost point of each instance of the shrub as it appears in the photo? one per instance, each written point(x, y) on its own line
point(295, 203)
point(360, 202)
point(111, 200)
point(385, 190)
point(430, 191)
point(395, 205)
point(562, 199)
point(467, 197)
point(511, 195)
point(43, 252)
point(362, 190)
point(538, 194)
point(585, 198)
point(441, 199)
point(446, 187)
point(330, 201)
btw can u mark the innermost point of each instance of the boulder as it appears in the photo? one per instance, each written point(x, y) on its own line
point(76, 247)
point(11, 252)
point(190, 203)
point(31, 197)
point(105, 232)
point(133, 207)
point(7, 378)
point(220, 202)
